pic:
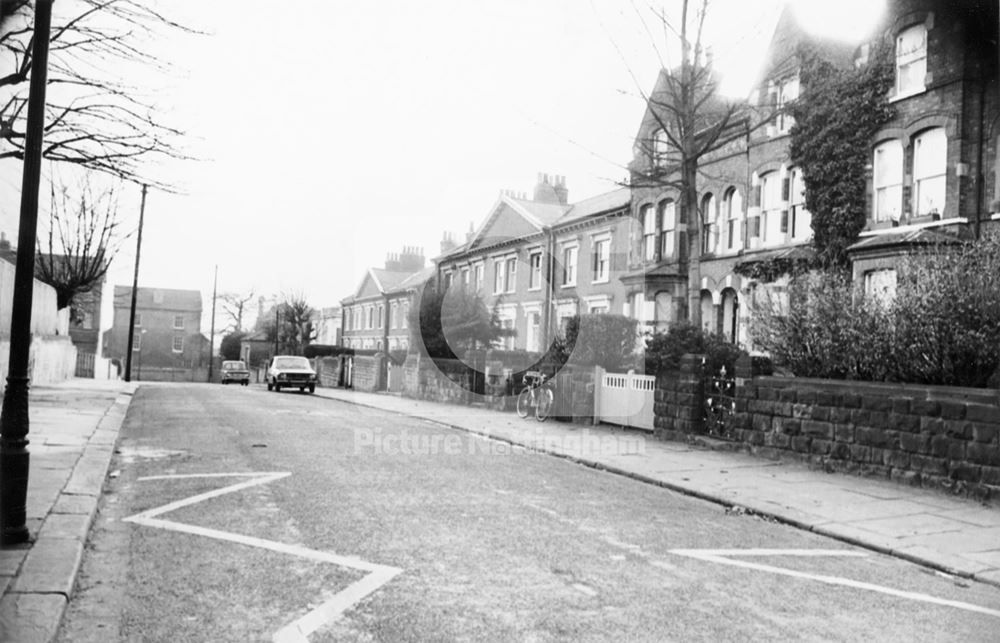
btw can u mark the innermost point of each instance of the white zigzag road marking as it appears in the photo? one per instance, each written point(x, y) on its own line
point(724, 557)
point(299, 630)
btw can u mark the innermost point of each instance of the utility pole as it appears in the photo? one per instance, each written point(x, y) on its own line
point(276, 328)
point(135, 289)
point(14, 457)
point(211, 335)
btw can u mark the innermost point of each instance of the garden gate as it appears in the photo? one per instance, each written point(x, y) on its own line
point(625, 399)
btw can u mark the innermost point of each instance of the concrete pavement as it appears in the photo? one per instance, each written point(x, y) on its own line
point(73, 430)
point(952, 534)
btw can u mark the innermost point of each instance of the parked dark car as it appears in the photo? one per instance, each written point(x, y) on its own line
point(235, 371)
point(290, 371)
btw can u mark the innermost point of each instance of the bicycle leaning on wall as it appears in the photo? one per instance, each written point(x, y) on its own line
point(537, 394)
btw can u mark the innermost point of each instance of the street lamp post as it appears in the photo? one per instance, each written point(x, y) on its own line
point(14, 458)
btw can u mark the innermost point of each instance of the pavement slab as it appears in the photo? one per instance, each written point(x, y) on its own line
point(75, 504)
point(73, 526)
point(30, 618)
point(50, 567)
point(69, 461)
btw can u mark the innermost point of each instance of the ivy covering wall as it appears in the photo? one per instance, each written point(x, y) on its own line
point(836, 118)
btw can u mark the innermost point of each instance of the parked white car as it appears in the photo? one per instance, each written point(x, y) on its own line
point(290, 371)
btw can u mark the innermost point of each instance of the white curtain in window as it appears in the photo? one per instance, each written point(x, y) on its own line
point(648, 232)
point(669, 215)
point(911, 59)
point(930, 162)
point(770, 207)
point(888, 181)
point(801, 223)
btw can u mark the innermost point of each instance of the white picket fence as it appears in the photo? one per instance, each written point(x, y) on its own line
point(625, 399)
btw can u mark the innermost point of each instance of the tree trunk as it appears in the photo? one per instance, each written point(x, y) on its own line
point(691, 214)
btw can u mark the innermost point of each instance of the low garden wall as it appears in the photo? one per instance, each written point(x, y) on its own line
point(933, 436)
point(367, 373)
point(437, 380)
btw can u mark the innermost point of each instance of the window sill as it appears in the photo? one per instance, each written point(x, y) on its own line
point(606, 280)
point(908, 94)
point(572, 285)
point(883, 229)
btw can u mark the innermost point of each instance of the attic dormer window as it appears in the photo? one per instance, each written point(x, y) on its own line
point(788, 91)
point(911, 60)
point(661, 147)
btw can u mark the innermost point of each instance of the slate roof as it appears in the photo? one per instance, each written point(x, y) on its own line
point(912, 237)
point(415, 280)
point(541, 214)
point(613, 200)
point(386, 280)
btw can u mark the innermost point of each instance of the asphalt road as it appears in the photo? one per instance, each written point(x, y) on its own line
point(459, 539)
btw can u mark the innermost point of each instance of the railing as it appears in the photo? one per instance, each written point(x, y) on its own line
point(720, 404)
point(84, 365)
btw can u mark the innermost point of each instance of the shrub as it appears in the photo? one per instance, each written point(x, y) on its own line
point(664, 350)
point(941, 327)
point(397, 356)
point(326, 350)
point(605, 340)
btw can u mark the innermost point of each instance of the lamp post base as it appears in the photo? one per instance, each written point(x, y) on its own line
point(14, 462)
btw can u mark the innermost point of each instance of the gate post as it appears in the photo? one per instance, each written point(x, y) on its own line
point(690, 395)
point(598, 387)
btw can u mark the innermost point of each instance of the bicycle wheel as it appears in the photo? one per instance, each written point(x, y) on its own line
point(545, 403)
point(524, 403)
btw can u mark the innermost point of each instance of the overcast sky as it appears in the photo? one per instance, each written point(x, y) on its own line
point(333, 132)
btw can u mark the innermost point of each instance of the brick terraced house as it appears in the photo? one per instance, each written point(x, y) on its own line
point(933, 173)
point(376, 315)
point(540, 261)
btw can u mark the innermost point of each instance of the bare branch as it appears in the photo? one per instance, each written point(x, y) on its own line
point(93, 120)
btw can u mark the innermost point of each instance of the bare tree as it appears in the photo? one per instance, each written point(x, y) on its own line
point(235, 305)
point(296, 323)
point(290, 323)
point(83, 236)
point(693, 120)
point(93, 118)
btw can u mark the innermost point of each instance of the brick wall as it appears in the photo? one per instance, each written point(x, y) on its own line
point(436, 380)
point(944, 437)
point(328, 370)
point(677, 401)
point(932, 436)
point(367, 373)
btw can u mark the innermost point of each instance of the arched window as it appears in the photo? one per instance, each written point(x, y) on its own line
point(661, 148)
point(732, 210)
point(911, 60)
point(888, 181)
point(708, 321)
point(710, 227)
point(801, 219)
point(648, 216)
point(770, 208)
point(930, 162)
point(730, 314)
point(666, 215)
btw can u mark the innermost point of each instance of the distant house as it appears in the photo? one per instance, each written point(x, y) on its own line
point(538, 262)
point(376, 315)
point(167, 329)
point(327, 323)
point(256, 349)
